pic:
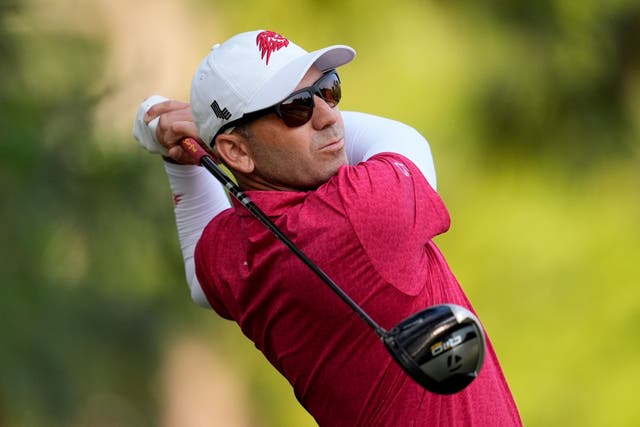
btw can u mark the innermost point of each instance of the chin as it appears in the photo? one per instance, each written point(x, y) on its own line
point(333, 171)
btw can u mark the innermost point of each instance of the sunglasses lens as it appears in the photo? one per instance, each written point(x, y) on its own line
point(297, 110)
point(329, 88)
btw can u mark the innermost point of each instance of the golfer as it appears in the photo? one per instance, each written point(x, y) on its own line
point(357, 194)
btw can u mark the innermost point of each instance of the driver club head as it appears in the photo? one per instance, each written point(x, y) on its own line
point(442, 347)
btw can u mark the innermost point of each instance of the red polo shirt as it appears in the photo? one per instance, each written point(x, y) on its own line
point(370, 228)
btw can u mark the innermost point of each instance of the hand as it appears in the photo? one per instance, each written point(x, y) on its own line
point(173, 122)
point(161, 125)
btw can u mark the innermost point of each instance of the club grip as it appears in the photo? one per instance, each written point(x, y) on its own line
point(192, 147)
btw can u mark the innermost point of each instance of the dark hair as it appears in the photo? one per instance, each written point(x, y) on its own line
point(244, 130)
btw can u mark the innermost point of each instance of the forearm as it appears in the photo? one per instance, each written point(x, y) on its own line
point(367, 135)
point(198, 197)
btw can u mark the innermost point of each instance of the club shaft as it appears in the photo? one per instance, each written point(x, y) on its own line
point(208, 163)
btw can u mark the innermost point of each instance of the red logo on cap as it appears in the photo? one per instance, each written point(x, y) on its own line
point(268, 42)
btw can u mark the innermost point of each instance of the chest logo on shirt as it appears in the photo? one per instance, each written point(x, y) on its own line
point(403, 168)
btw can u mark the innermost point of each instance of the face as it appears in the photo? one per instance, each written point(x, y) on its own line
point(299, 158)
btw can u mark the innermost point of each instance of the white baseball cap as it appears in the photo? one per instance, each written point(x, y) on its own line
point(252, 71)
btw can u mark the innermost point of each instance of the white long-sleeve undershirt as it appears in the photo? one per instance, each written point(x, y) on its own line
point(200, 197)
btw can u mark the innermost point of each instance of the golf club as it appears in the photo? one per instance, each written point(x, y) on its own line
point(441, 347)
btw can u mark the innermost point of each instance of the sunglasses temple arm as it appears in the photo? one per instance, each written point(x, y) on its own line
point(197, 152)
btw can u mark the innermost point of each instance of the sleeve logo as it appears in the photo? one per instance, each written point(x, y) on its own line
point(403, 168)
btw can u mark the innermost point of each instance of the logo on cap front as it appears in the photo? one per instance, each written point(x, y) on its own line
point(269, 42)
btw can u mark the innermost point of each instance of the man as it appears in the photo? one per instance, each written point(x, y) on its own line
point(355, 192)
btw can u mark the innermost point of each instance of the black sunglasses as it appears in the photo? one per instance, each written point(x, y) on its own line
point(297, 108)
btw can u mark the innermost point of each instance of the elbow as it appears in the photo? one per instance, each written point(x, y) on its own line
point(197, 294)
point(199, 298)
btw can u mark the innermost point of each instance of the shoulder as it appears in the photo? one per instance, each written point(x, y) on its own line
point(384, 170)
point(391, 188)
point(387, 184)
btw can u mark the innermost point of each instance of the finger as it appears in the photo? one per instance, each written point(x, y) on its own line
point(178, 155)
point(169, 132)
point(185, 129)
point(168, 120)
point(165, 107)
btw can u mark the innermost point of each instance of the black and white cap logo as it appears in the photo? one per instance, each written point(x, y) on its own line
point(221, 113)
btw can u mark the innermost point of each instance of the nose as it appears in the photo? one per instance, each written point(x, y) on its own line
point(323, 115)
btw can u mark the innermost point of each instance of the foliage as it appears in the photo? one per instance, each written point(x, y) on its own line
point(82, 325)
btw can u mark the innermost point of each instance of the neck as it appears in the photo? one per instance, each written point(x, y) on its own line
point(253, 182)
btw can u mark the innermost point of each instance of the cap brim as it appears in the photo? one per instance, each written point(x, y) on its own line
point(287, 78)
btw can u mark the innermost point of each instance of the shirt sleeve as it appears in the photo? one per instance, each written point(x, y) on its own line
point(198, 198)
point(367, 135)
point(394, 213)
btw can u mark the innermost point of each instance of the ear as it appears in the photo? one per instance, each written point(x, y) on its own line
point(235, 152)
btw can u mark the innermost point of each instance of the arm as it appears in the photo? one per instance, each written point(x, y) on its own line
point(367, 135)
point(198, 197)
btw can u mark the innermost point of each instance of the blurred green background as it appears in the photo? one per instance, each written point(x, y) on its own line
point(532, 110)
